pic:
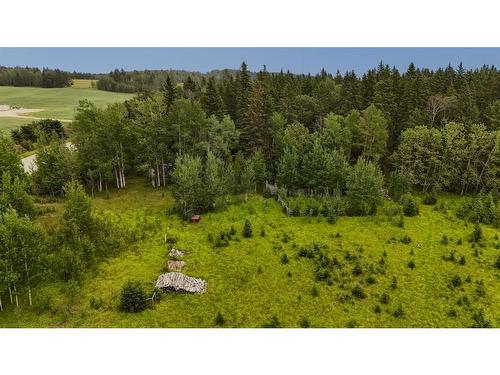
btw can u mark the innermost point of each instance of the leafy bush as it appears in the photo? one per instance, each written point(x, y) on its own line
point(247, 229)
point(456, 281)
point(398, 185)
point(497, 263)
point(358, 292)
point(479, 320)
point(477, 233)
point(399, 312)
point(430, 199)
point(304, 323)
point(284, 259)
point(384, 298)
point(480, 209)
point(410, 205)
point(406, 239)
point(394, 282)
point(314, 291)
point(133, 298)
point(273, 323)
point(219, 319)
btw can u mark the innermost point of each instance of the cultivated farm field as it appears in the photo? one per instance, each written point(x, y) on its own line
point(424, 273)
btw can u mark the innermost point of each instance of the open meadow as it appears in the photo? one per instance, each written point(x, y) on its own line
point(56, 103)
point(424, 274)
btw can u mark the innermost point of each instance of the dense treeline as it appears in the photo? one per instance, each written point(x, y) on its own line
point(153, 80)
point(34, 77)
point(323, 135)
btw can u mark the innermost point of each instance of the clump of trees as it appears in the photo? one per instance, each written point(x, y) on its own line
point(28, 135)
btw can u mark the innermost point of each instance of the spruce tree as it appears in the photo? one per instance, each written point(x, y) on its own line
point(212, 100)
point(169, 93)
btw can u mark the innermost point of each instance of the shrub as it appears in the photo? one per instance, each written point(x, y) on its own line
point(358, 292)
point(456, 281)
point(406, 239)
point(398, 185)
point(497, 263)
point(314, 291)
point(273, 323)
point(479, 320)
point(430, 199)
point(399, 312)
point(444, 240)
point(410, 205)
point(477, 233)
point(247, 229)
point(304, 323)
point(357, 270)
point(480, 291)
point(284, 259)
point(462, 260)
point(480, 209)
point(394, 282)
point(384, 298)
point(351, 324)
point(96, 303)
point(133, 298)
point(371, 280)
point(219, 319)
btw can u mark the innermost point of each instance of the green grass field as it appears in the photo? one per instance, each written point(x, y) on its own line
point(249, 284)
point(9, 123)
point(57, 103)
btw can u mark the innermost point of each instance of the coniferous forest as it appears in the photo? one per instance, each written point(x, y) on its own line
point(356, 190)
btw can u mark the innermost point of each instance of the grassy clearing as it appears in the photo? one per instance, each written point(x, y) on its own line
point(57, 103)
point(10, 123)
point(249, 282)
point(83, 83)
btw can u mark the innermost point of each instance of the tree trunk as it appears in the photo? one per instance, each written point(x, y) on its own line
point(28, 279)
point(1, 306)
point(15, 294)
point(163, 172)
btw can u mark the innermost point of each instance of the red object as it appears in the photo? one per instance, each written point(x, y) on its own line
point(195, 218)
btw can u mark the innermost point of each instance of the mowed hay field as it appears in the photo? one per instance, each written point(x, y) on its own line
point(58, 103)
point(252, 285)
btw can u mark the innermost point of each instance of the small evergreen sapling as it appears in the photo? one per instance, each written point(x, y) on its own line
point(247, 229)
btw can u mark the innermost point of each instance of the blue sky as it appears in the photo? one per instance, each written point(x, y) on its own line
point(297, 60)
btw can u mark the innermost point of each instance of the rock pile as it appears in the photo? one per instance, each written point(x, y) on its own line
point(178, 282)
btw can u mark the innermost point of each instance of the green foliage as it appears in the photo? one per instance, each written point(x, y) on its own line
point(398, 185)
point(247, 229)
point(430, 199)
point(55, 168)
point(219, 319)
point(77, 208)
point(358, 292)
point(132, 297)
point(410, 205)
point(9, 159)
point(477, 233)
point(480, 209)
point(364, 188)
point(13, 195)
